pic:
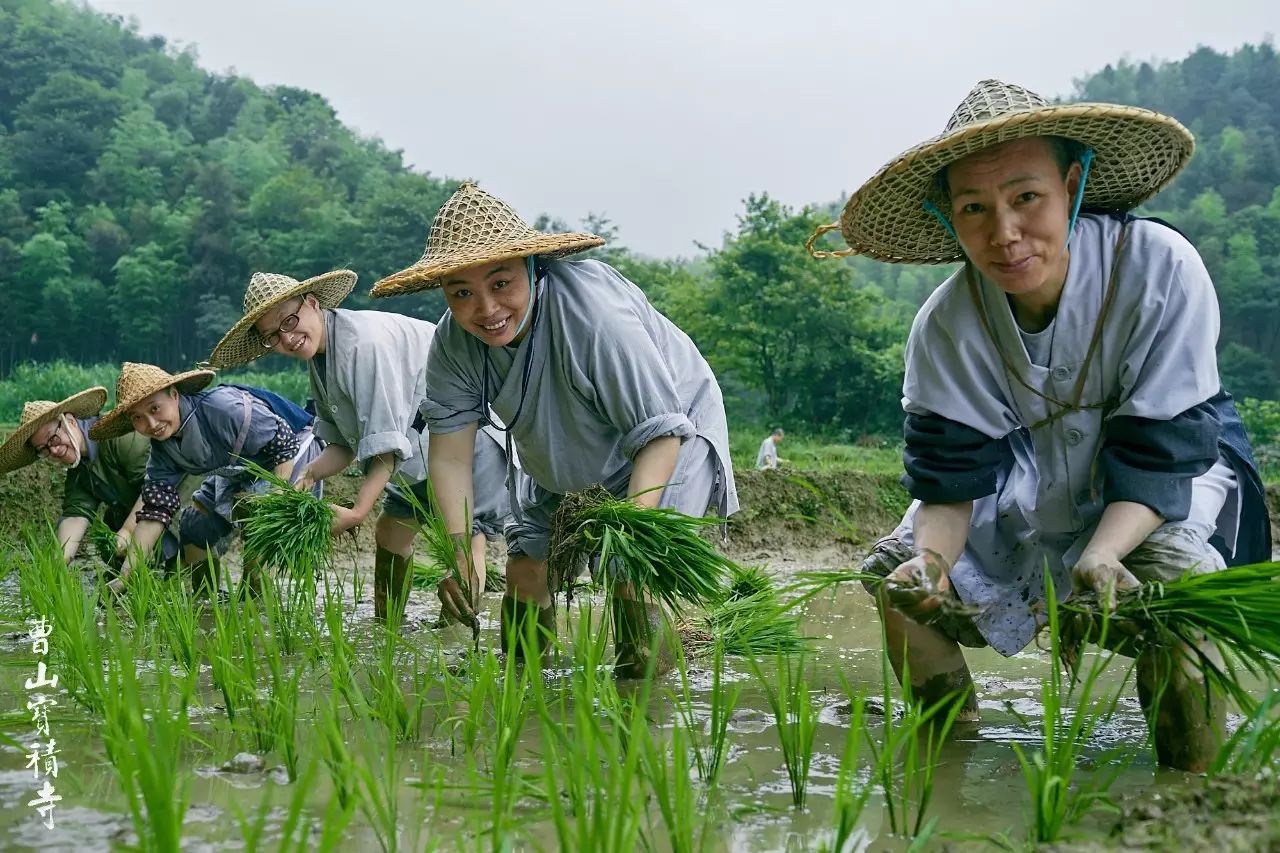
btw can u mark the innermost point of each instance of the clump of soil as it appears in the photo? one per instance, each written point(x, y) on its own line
point(1226, 813)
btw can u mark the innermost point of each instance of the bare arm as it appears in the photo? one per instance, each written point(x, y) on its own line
point(334, 459)
point(376, 478)
point(652, 469)
point(450, 457)
point(943, 529)
point(145, 536)
point(1124, 526)
point(71, 532)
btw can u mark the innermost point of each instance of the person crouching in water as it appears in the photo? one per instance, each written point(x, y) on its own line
point(203, 433)
point(1062, 393)
point(368, 378)
point(103, 479)
point(592, 384)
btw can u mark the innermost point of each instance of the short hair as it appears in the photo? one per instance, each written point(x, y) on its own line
point(1065, 152)
point(777, 431)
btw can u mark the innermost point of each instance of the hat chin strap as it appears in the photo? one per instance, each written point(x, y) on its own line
point(530, 267)
point(1086, 160)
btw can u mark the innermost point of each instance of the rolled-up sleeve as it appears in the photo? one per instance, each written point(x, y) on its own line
point(632, 385)
point(1152, 462)
point(948, 462)
point(384, 393)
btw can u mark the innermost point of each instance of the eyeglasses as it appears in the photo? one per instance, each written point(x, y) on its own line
point(55, 440)
point(288, 324)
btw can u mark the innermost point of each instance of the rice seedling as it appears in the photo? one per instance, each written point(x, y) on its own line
point(1057, 800)
point(427, 575)
point(907, 753)
point(658, 551)
point(54, 594)
point(338, 653)
point(146, 748)
point(851, 795)
point(709, 755)
point(1253, 746)
point(285, 529)
point(178, 613)
point(443, 548)
point(378, 780)
point(337, 759)
point(796, 722)
point(1233, 609)
point(592, 749)
point(668, 773)
point(283, 711)
point(399, 713)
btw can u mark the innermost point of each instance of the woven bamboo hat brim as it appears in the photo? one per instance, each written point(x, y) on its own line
point(266, 290)
point(1136, 153)
point(472, 228)
point(137, 382)
point(17, 452)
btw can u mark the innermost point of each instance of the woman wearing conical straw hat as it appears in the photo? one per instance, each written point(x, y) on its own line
point(197, 432)
point(102, 477)
point(368, 378)
point(593, 386)
point(1062, 393)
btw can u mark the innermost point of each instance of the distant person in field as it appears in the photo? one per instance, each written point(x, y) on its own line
point(1063, 404)
point(368, 378)
point(202, 433)
point(767, 457)
point(591, 383)
point(104, 479)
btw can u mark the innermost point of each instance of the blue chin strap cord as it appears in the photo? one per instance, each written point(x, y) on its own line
point(1086, 161)
point(531, 267)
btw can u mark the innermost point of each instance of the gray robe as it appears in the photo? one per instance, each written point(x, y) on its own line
point(607, 374)
point(1156, 359)
point(372, 387)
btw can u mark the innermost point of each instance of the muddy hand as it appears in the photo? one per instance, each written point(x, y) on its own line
point(454, 603)
point(344, 519)
point(1103, 576)
point(919, 587)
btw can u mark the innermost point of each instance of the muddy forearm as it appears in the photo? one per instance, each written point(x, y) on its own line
point(652, 470)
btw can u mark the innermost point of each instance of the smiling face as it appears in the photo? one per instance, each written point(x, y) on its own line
point(1010, 205)
point(490, 300)
point(58, 441)
point(295, 328)
point(157, 416)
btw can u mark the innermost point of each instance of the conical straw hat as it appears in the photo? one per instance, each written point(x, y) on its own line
point(1136, 153)
point(266, 290)
point(472, 228)
point(17, 452)
point(137, 382)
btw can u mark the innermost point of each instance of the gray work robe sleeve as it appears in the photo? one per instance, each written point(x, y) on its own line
point(384, 393)
point(454, 378)
point(629, 382)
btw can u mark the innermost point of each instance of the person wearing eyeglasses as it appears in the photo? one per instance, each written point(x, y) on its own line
point(368, 378)
point(103, 478)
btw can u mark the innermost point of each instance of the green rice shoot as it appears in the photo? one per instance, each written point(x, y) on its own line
point(284, 528)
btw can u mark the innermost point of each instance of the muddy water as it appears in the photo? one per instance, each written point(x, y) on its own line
point(978, 789)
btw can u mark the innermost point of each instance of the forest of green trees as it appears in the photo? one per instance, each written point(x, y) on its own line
point(138, 192)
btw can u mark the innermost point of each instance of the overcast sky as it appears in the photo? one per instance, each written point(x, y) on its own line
point(664, 115)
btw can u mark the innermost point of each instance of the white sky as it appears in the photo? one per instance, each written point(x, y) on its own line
point(664, 115)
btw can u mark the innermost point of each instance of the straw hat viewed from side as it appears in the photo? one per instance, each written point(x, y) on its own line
point(242, 344)
point(474, 227)
point(137, 382)
point(1134, 154)
point(16, 451)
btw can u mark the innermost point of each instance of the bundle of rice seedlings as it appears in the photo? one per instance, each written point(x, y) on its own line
point(752, 625)
point(1235, 609)
point(103, 539)
point(746, 581)
point(658, 551)
point(284, 528)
